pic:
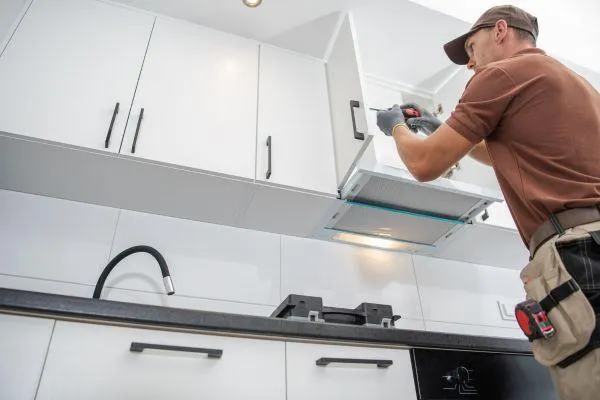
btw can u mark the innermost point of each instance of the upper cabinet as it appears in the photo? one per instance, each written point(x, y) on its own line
point(295, 145)
point(233, 130)
point(70, 70)
point(348, 116)
point(382, 200)
point(196, 100)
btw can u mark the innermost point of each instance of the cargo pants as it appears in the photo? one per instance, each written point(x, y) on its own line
point(575, 254)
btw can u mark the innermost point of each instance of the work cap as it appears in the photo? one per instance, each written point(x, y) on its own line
point(514, 17)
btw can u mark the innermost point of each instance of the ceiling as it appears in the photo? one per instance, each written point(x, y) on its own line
point(399, 40)
point(568, 30)
point(403, 41)
point(271, 18)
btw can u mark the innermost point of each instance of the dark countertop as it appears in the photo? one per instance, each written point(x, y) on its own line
point(78, 308)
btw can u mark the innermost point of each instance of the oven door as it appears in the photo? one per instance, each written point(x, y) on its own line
point(449, 374)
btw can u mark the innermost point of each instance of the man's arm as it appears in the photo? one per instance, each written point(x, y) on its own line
point(429, 158)
point(480, 153)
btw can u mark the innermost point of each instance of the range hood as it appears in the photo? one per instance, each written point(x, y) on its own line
point(380, 203)
point(380, 199)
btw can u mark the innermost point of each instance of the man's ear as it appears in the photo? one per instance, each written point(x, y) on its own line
point(500, 31)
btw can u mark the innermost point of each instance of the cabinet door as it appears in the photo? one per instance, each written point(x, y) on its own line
point(23, 345)
point(344, 78)
point(295, 143)
point(95, 362)
point(352, 377)
point(67, 66)
point(198, 90)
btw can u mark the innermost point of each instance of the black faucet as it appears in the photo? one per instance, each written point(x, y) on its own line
point(136, 249)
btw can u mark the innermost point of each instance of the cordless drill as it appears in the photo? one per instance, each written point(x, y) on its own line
point(407, 112)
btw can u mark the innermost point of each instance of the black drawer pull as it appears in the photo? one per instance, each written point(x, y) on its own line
point(137, 347)
point(137, 130)
point(110, 127)
point(357, 135)
point(322, 362)
point(269, 147)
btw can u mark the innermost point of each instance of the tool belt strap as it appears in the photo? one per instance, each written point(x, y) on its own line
point(558, 223)
point(558, 294)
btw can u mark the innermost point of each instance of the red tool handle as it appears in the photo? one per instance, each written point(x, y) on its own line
point(411, 113)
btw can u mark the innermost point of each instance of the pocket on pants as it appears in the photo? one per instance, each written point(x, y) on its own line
point(581, 258)
point(573, 318)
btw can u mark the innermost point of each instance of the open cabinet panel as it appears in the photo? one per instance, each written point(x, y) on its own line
point(344, 81)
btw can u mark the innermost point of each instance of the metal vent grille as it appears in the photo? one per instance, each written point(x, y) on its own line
point(391, 224)
point(414, 197)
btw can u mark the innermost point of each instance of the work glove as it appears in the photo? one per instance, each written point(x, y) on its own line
point(427, 123)
point(388, 119)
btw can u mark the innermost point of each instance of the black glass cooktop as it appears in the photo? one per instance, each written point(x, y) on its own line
point(448, 374)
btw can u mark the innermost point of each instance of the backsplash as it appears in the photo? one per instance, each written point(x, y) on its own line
point(59, 246)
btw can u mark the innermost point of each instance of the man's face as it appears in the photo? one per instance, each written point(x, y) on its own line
point(481, 48)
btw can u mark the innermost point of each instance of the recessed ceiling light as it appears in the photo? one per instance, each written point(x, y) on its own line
point(252, 3)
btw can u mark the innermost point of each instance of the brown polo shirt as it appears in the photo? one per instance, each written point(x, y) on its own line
point(541, 124)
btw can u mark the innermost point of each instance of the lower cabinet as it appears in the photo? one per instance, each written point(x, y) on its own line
point(90, 361)
point(23, 346)
point(87, 361)
point(318, 371)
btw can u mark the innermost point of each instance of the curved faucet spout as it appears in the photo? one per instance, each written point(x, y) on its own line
point(136, 249)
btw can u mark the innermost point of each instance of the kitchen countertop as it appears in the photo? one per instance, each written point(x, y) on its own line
point(103, 311)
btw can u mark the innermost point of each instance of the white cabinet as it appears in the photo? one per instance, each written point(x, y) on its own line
point(198, 91)
point(499, 215)
point(205, 260)
point(67, 66)
point(53, 239)
point(348, 115)
point(23, 345)
point(88, 361)
point(348, 373)
point(295, 143)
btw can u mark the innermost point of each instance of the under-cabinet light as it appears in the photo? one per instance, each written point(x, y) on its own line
point(387, 244)
point(252, 3)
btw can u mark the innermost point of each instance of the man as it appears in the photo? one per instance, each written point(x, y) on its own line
point(537, 124)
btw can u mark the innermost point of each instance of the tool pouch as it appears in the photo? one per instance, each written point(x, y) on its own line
point(559, 277)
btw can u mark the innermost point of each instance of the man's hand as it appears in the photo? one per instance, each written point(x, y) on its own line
point(427, 122)
point(388, 119)
point(429, 158)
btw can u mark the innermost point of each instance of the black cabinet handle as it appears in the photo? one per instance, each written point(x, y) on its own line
point(137, 347)
point(357, 135)
point(485, 215)
point(322, 362)
point(137, 130)
point(269, 147)
point(110, 127)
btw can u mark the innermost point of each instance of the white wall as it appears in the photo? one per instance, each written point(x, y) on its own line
point(59, 246)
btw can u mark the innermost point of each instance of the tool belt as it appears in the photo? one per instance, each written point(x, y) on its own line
point(562, 313)
point(558, 223)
